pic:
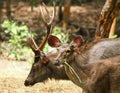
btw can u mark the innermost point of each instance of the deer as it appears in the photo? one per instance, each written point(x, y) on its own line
point(82, 61)
point(43, 68)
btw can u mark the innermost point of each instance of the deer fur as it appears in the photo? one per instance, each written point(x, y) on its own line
point(103, 76)
point(85, 59)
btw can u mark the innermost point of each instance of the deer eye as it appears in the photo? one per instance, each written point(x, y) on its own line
point(64, 54)
point(68, 51)
point(45, 60)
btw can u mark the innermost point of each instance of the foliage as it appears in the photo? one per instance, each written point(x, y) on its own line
point(62, 35)
point(114, 36)
point(17, 37)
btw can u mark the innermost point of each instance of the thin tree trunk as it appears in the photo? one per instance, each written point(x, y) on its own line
point(60, 12)
point(66, 13)
point(1, 6)
point(8, 8)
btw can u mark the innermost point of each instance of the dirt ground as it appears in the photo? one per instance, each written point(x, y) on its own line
point(13, 74)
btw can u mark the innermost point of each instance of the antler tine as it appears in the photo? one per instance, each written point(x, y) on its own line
point(50, 16)
point(43, 19)
point(47, 24)
point(53, 15)
point(46, 10)
point(33, 42)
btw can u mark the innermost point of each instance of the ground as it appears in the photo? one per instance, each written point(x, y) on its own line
point(13, 75)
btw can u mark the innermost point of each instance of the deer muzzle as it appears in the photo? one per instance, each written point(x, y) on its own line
point(29, 82)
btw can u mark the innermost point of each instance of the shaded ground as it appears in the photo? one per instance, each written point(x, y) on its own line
point(13, 74)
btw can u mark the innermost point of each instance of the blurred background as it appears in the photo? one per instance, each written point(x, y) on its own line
point(19, 17)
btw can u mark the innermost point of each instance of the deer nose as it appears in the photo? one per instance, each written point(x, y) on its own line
point(27, 83)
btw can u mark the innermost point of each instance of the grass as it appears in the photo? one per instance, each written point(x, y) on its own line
point(13, 75)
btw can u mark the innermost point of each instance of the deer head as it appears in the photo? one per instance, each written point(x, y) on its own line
point(41, 67)
point(66, 54)
point(64, 49)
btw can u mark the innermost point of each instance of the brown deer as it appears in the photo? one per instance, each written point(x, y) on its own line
point(43, 68)
point(88, 65)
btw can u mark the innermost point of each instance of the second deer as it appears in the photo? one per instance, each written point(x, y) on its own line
point(87, 60)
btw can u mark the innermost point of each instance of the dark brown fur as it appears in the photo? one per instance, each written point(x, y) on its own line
point(43, 69)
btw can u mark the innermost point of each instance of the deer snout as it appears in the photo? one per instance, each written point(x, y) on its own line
point(28, 82)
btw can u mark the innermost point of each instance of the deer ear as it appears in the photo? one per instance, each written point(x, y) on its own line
point(78, 40)
point(53, 41)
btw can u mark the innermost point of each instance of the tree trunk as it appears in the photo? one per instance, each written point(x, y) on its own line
point(108, 14)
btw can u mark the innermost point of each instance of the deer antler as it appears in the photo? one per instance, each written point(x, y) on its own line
point(32, 43)
point(47, 24)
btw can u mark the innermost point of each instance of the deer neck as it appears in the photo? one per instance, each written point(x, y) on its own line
point(79, 69)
